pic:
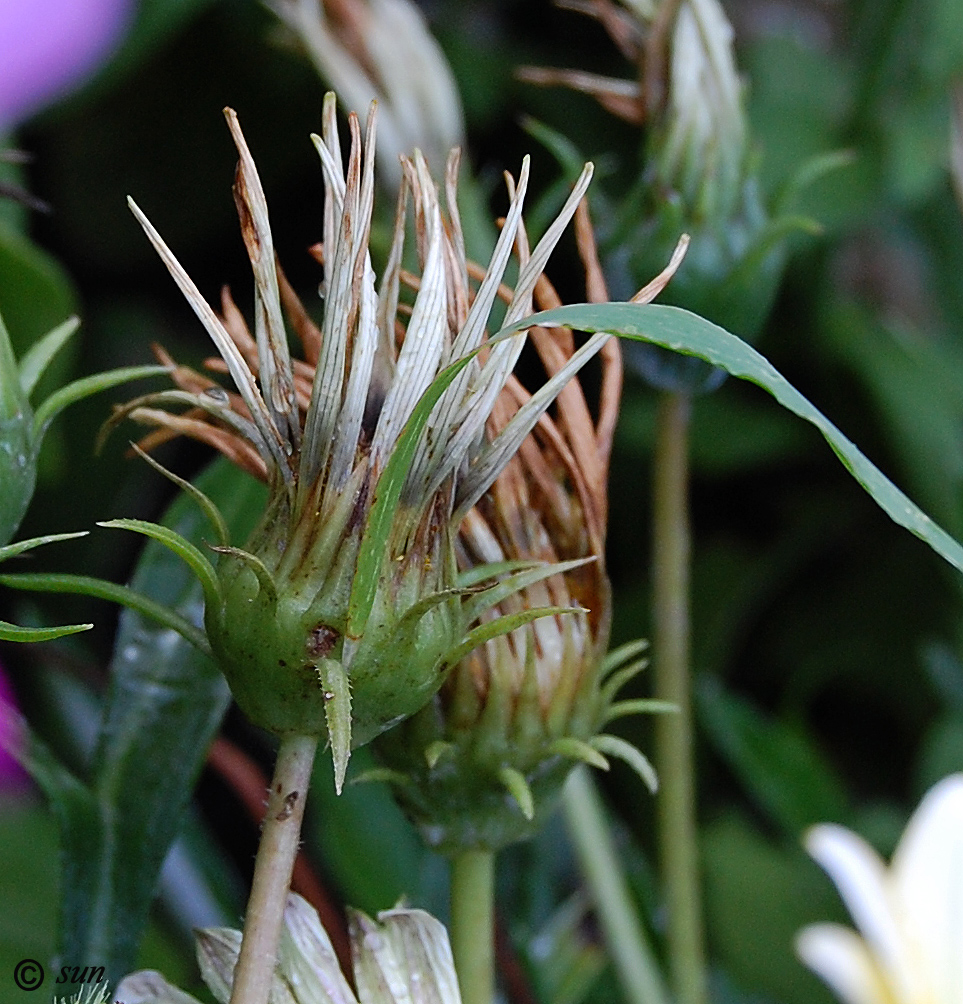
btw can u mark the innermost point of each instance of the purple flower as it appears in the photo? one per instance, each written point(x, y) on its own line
point(12, 775)
point(47, 47)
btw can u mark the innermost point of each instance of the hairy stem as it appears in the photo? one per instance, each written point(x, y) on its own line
point(673, 733)
point(272, 870)
point(624, 935)
point(473, 924)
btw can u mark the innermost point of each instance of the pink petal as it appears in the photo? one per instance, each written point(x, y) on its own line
point(48, 47)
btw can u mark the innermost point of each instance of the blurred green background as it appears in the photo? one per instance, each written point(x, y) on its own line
point(827, 641)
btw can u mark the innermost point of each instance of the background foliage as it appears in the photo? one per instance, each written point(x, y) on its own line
point(827, 642)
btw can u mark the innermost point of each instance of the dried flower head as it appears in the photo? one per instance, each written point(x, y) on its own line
point(480, 765)
point(344, 612)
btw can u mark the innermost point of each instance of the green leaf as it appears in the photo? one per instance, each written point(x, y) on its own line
point(79, 389)
point(782, 771)
point(13, 632)
point(54, 582)
point(35, 361)
point(12, 550)
point(164, 705)
point(757, 897)
point(372, 865)
point(687, 333)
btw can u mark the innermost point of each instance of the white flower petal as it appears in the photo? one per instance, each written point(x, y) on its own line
point(150, 987)
point(927, 879)
point(861, 878)
point(842, 959)
point(307, 959)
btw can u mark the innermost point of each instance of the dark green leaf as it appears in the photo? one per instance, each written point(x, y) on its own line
point(165, 703)
point(781, 769)
point(682, 331)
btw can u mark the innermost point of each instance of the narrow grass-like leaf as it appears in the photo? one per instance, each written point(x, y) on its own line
point(620, 678)
point(685, 332)
point(37, 358)
point(79, 389)
point(184, 549)
point(84, 585)
point(12, 550)
point(261, 572)
point(13, 632)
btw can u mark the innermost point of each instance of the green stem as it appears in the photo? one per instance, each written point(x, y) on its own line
point(473, 924)
point(673, 733)
point(281, 830)
point(624, 935)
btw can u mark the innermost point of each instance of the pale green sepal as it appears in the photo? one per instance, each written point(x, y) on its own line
point(518, 788)
point(620, 678)
point(150, 987)
point(436, 750)
point(639, 706)
point(217, 952)
point(638, 761)
point(37, 358)
point(337, 713)
point(621, 655)
point(13, 632)
point(84, 387)
point(182, 547)
point(261, 572)
point(206, 505)
point(477, 574)
point(515, 583)
point(381, 775)
point(307, 960)
point(405, 958)
point(84, 585)
point(12, 550)
point(576, 749)
point(502, 625)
